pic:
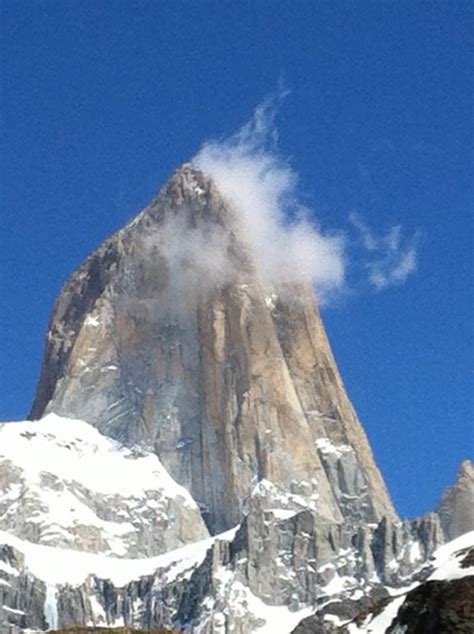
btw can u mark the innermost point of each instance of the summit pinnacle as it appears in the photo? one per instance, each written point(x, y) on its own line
point(167, 337)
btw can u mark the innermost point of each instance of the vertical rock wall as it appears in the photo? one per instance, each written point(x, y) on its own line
point(167, 337)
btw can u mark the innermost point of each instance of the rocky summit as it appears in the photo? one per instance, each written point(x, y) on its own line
point(168, 338)
point(193, 461)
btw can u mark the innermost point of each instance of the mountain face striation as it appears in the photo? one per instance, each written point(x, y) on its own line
point(229, 380)
point(193, 461)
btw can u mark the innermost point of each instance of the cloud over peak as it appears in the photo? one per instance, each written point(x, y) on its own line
point(287, 243)
point(286, 239)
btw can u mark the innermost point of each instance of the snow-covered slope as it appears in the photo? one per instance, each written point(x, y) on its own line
point(63, 573)
point(147, 557)
point(93, 570)
point(63, 483)
point(95, 533)
point(265, 577)
point(455, 559)
point(57, 566)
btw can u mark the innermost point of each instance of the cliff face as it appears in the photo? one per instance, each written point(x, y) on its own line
point(220, 410)
point(266, 576)
point(456, 509)
point(168, 337)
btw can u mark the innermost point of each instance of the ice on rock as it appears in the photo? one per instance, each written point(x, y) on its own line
point(51, 607)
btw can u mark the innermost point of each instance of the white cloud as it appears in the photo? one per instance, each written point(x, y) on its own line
point(392, 259)
point(286, 241)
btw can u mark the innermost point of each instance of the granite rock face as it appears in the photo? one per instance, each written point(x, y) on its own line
point(194, 462)
point(273, 571)
point(441, 599)
point(456, 508)
point(167, 337)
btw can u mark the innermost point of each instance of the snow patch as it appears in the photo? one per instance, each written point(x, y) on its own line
point(47, 563)
point(13, 610)
point(276, 498)
point(92, 320)
point(415, 552)
point(283, 514)
point(339, 584)
point(98, 613)
point(241, 605)
point(326, 447)
point(270, 301)
point(4, 567)
point(448, 558)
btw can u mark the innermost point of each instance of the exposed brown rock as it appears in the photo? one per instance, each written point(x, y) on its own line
point(229, 378)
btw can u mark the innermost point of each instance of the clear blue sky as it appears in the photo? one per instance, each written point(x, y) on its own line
point(100, 101)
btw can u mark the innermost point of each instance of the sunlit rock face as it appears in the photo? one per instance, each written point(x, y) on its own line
point(168, 337)
point(456, 508)
point(197, 464)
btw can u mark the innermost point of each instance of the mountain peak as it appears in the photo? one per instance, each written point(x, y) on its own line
point(167, 337)
point(188, 181)
point(193, 198)
point(466, 470)
point(456, 508)
point(206, 398)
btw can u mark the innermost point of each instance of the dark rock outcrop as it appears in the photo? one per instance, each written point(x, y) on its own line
point(437, 606)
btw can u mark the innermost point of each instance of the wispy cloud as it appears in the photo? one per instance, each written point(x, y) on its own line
point(391, 257)
point(286, 240)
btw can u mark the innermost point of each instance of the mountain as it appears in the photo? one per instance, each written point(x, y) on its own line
point(193, 461)
point(168, 337)
point(456, 508)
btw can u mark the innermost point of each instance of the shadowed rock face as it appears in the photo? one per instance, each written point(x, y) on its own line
point(167, 337)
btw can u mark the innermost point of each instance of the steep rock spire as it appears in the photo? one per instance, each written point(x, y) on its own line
point(168, 337)
point(456, 509)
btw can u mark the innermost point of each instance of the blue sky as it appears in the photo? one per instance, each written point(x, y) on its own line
point(101, 101)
